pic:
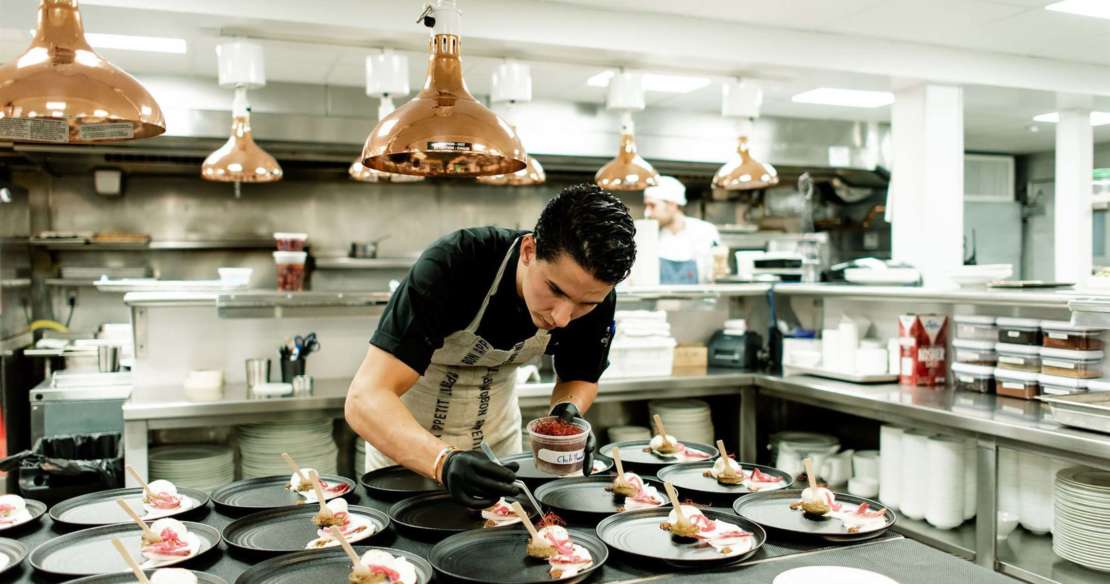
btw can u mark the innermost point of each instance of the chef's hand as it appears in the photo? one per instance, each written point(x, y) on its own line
point(567, 412)
point(474, 481)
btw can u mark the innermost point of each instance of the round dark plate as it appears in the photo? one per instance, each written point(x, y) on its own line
point(396, 482)
point(13, 551)
point(289, 529)
point(772, 510)
point(100, 508)
point(689, 478)
point(129, 578)
point(586, 497)
point(90, 551)
point(636, 457)
point(637, 533)
point(437, 515)
point(36, 508)
point(268, 493)
point(330, 565)
point(498, 555)
point(534, 476)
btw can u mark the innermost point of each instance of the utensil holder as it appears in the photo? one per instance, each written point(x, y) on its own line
point(291, 368)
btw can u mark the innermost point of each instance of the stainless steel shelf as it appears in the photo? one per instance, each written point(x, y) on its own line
point(691, 291)
point(15, 283)
point(346, 263)
point(1030, 557)
point(996, 297)
point(70, 282)
point(157, 245)
point(958, 542)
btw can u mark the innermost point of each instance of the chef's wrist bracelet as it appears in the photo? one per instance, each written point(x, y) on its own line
point(441, 459)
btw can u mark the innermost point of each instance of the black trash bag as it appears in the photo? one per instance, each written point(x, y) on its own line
point(61, 467)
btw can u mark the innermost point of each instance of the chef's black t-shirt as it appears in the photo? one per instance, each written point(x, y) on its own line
point(444, 291)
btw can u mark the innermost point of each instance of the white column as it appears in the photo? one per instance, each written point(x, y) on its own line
point(927, 180)
point(1074, 165)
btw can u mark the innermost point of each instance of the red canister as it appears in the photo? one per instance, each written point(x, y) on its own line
point(923, 339)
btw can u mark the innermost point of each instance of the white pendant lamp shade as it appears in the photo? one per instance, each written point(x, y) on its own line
point(742, 100)
point(512, 82)
point(241, 64)
point(626, 92)
point(387, 73)
point(628, 171)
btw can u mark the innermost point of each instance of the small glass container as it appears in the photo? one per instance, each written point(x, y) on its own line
point(1019, 331)
point(973, 327)
point(1053, 385)
point(1077, 364)
point(975, 352)
point(1065, 335)
point(1019, 357)
point(1019, 384)
point(290, 241)
point(290, 270)
point(558, 455)
point(975, 378)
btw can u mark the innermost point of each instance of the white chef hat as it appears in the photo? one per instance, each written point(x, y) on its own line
point(668, 189)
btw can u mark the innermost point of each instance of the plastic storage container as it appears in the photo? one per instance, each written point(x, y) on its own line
point(1020, 384)
point(1077, 364)
point(973, 327)
point(1019, 331)
point(1098, 385)
point(973, 377)
point(975, 352)
point(290, 241)
point(637, 357)
point(556, 454)
point(1019, 357)
point(290, 270)
point(1053, 385)
point(1065, 335)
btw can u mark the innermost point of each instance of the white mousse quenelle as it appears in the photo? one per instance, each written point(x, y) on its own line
point(173, 576)
point(568, 558)
point(174, 544)
point(161, 499)
point(303, 486)
point(380, 567)
point(13, 511)
point(725, 537)
point(353, 527)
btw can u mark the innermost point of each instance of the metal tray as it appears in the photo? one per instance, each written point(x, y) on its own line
point(396, 482)
point(267, 493)
point(90, 551)
point(1090, 411)
point(289, 529)
point(772, 510)
point(636, 458)
point(129, 578)
point(586, 498)
point(689, 479)
point(35, 508)
point(498, 555)
point(637, 534)
point(437, 515)
point(100, 508)
point(14, 551)
point(330, 565)
point(842, 375)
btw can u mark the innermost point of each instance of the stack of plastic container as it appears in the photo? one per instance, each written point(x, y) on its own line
point(1071, 357)
point(642, 346)
point(974, 350)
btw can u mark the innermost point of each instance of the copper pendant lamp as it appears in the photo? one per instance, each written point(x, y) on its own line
point(529, 176)
point(444, 131)
point(628, 171)
point(61, 91)
point(240, 159)
point(742, 100)
point(387, 74)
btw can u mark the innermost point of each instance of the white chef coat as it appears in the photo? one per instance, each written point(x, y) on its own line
point(695, 241)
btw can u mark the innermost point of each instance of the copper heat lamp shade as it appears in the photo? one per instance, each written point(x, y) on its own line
point(528, 176)
point(744, 173)
point(363, 174)
point(61, 91)
point(444, 131)
point(628, 171)
point(240, 160)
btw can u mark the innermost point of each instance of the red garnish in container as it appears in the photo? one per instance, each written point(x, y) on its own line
point(551, 519)
point(556, 427)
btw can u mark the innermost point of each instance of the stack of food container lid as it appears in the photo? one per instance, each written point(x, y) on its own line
point(975, 356)
point(1019, 358)
point(1071, 357)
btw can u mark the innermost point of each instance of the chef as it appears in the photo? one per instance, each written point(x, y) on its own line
point(438, 378)
point(685, 243)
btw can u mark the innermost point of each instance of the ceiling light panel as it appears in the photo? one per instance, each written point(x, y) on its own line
point(657, 82)
point(845, 97)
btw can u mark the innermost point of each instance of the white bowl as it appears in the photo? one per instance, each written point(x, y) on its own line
point(235, 277)
point(1007, 522)
point(865, 487)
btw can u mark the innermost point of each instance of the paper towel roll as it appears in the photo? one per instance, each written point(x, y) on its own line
point(944, 507)
point(645, 270)
point(915, 477)
point(890, 465)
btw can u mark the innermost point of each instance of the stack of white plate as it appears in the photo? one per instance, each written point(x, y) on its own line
point(1081, 531)
point(360, 455)
point(685, 419)
point(309, 442)
point(629, 433)
point(205, 467)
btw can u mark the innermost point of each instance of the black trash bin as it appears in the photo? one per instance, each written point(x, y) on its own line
point(61, 467)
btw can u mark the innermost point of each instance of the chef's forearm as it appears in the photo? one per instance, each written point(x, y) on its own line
point(380, 417)
point(579, 393)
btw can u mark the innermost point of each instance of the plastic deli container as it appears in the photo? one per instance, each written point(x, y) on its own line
point(973, 377)
point(290, 270)
point(1065, 335)
point(975, 352)
point(973, 327)
point(558, 455)
point(1019, 331)
point(290, 241)
point(1053, 385)
point(1020, 384)
point(1077, 364)
point(1019, 357)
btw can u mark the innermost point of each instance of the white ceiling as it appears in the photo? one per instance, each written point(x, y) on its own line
point(319, 43)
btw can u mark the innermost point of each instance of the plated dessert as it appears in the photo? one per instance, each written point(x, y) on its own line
point(554, 544)
point(687, 524)
point(301, 483)
point(636, 493)
point(173, 576)
point(668, 447)
point(353, 527)
point(500, 514)
point(819, 503)
point(161, 499)
point(728, 472)
point(13, 511)
point(381, 567)
point(168, 541)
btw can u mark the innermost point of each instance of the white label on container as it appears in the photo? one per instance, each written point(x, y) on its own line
point(108, 131)
point(1013, 334)
point(1059, 364)
point(1010, 385)
point(35, 129)
point(1012, 360)
point(966, 379)
point(562, 456)
point(1063, 336)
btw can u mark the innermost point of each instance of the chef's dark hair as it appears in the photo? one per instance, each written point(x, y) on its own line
point(593, 226)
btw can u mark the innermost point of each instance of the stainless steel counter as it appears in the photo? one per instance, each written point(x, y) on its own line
point(998, 297)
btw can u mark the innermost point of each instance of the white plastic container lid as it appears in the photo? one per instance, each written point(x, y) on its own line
point(655, 342)
point(973, 345)
point(973, 319)
point(290, 257)
point(1013, 375)
point(973, 370)
point(1069, 355)
point(1018, 349)
point(1019, 323)
point(1068, 382)
point(1063, 325)
point(1098, 384)
point(286, 235)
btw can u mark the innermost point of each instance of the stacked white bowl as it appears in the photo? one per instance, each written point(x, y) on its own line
point(944, 507)
point(890, 466)
point(205, 467)
point(971, 479)
point(309, 442)
point(685, 419)
point(1081, 530)
point(629, 433)
point(1037, 484)
point(916, 478)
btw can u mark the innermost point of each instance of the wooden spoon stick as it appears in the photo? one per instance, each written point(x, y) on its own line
point(617, 463)
point(131, 563)
point(142, 524)
point(338, 536)
point(659, 426)
point(135, 475)
point(809, 473)
point(527, 521)
point(293, 465)
point(324, 509)
point(673, 496)
point(724, 456)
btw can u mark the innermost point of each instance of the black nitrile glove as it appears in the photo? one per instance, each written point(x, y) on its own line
point(475, 481)
point(567, 412)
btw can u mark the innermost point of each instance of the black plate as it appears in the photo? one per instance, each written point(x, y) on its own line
point(636, 457)
point(689, 478)
point(129, 578)
point(100, 508)
point(35, 508)
point(772, 510)
point(638, 534)
point(436, 515)
point(267, 493)
point(396, 482)
point(324, 566)
point(534, 476)
point(90, 551)
point(586, 497)
point(498, 555)
point(14, 551)
point(288, 529)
